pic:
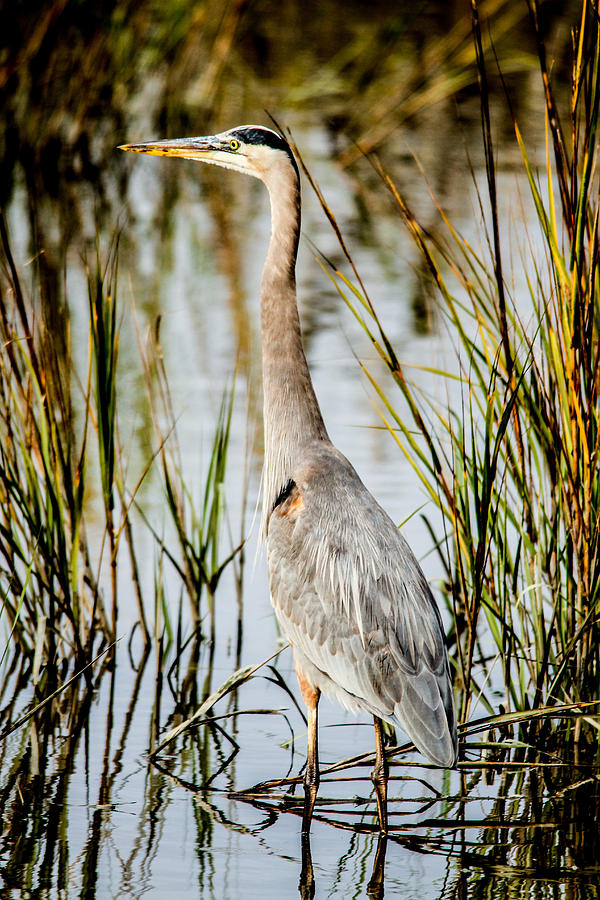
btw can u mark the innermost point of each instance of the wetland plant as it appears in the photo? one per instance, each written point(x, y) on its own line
point(58, 552)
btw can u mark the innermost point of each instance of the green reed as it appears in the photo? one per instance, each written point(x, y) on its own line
point(511, 463)
point(102, 288)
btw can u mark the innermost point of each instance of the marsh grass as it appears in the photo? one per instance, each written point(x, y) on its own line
point(66, 515)
point(51, 594)
point(511, 464)
point(60, 453)
point(198, 524)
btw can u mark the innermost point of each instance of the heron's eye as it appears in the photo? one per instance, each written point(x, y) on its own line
point(233, 144)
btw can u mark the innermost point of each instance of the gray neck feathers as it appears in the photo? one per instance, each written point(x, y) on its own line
point(292, 417)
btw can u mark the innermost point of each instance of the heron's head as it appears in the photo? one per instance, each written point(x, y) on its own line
point(251, 149)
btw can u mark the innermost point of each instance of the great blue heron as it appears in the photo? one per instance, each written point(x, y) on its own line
point(347, 590)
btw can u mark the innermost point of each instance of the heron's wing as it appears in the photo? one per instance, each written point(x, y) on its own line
point(355, 605)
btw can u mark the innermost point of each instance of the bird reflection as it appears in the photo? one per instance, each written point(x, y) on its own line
point(375, 887)
point(306, 885)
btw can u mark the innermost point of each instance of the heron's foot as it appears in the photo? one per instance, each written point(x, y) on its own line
point(379, 777)
point(311, 787)
point(310, 795)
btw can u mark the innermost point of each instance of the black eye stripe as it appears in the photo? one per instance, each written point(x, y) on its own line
point(264, 137)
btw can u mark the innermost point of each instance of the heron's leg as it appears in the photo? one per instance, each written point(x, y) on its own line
point(311, 776)
point(310, 695)
point(379, 776)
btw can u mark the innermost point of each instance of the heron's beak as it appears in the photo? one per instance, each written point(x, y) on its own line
point(215, 149)
point(188, 148)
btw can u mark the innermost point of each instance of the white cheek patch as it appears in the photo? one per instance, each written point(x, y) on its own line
point(233, 161)
point(261, 157)
point(228, 160)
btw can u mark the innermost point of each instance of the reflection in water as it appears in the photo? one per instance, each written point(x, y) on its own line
point(375, 888)
point(306, 885)
point(496, 822)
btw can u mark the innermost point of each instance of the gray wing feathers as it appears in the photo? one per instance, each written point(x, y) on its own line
point(355, 605)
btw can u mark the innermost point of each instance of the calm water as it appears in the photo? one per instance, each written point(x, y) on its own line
point(84, 813)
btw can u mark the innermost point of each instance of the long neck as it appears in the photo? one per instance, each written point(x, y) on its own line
point(292, 417)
